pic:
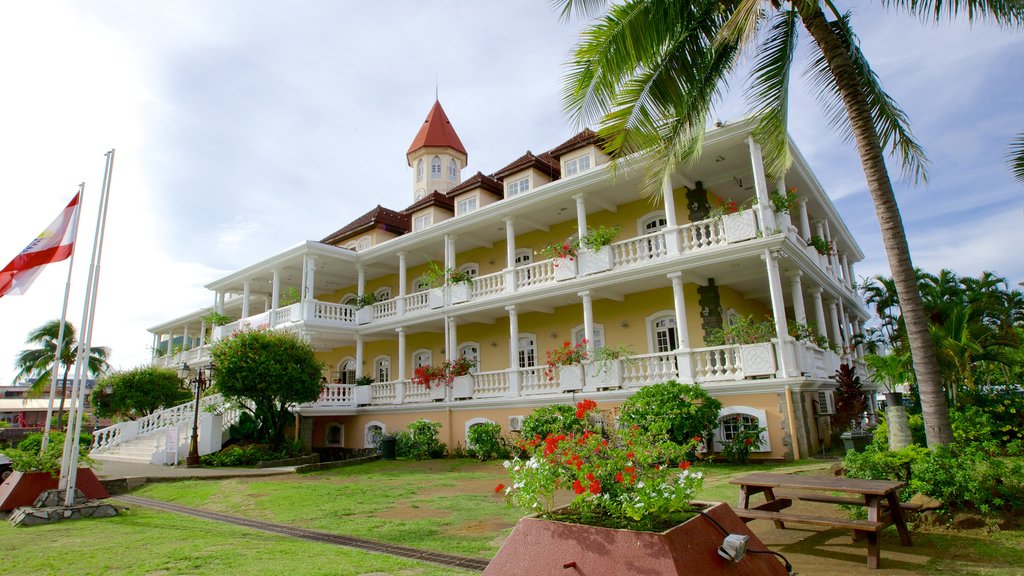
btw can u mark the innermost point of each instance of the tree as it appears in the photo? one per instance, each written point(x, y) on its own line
point(138, 392)
point(648, 72)
point(850, 399)
point(38, 362)
point(265, 372)
point(1016, 157)
point(682, 411)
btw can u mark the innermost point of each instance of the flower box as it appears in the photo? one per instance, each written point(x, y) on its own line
point(739, 226)
point(565, 269)
point(435, 297)
point(460, 292)
point(594, 261)
point(757, 359)
point(363, 395)
point(688, 548)
point(364, 315)
point(570, 378)
point(462, 387)
point(438, 391)
point(604, 374)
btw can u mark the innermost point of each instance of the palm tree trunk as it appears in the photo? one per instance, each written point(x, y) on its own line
point(926, 367)
point(63, 394)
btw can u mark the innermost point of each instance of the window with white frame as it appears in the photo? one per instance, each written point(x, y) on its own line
point(471, 351)
point(382, 294)
point(653, 223)
point(419, 170)
point(733, 420)
point(577, 165)
point(335, 434)
point(347, 371)
point(422, 222)
point(825, 403)
point(372, 434)
point(435, 168)
point(527, 350)
point(420, 284)
point(579, 333)
point(524, 256)
point(382, 368)
point(453, 169)
point(732, 317)
point(472, 423)
point(422, 358)
point(663, 334)
point(471, 269)
point(364, 244)
point(516, 187)
point(465, 206)
point(349, 300)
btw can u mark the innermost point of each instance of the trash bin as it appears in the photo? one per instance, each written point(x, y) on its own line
point(389, 448)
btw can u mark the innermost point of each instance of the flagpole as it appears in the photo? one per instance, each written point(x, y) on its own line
point(69, 462)
point(63, 316)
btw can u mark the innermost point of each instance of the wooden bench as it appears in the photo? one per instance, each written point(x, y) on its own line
point(830, 499)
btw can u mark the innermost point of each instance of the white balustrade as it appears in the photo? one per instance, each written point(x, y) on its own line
point(638, 250)
point(333, 312)
point(717, 363)
point(111, 436)
point(383, 393)
point(416, 301)
point(337, 395)
point(416, 393)
point(646, 369)
point(489, 285)
point(490, 384)
point(283, 315)
point(385, 309)
point(702, 234)
point(534, 381)
point(535, 274)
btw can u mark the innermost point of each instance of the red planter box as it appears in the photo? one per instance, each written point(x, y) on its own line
point(22, 488)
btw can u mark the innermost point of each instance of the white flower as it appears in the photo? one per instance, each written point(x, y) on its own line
point(506, 464)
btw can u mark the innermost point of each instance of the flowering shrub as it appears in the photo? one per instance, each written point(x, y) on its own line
point(566, 249)
point(567, 355)
point(554, 419)
point(630, 479)
point(784, 202)
point(420, 441)
point(430, 376)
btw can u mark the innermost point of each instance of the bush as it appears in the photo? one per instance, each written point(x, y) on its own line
point(554, 419)
point(26, 457)
point(247, 455)
point(421, 441)
point(964, 476)
point(681, 411)
point(486, 442)
point(1004, 409)
point(245, 428)
point(877, 462)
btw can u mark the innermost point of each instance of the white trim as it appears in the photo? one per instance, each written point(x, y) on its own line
point(470, 266)
point(376, 293)
point(473, 422)
point(536, 355)
point(641, 229)
point(347, 297)
point(649, 323)
point(376, 370)
point(418, 351)
point(598, 327)
point(479, 349)
point(762, 422)
point(523, 252)
point(341, 364)
point(341, 435)
point(366, 432)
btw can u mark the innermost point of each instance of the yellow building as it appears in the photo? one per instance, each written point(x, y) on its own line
point(710, 250)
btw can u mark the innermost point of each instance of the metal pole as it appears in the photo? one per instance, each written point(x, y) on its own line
point(193, 449)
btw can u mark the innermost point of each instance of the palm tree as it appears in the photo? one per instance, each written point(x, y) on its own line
point(1016, 157)
point(38, 362)
point(649, 70)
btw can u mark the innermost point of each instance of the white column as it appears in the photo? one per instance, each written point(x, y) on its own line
point(671, 222)
point(360, 280)
point(581, 215)
point(359, 356)
point(764, 210)
point(453, 340)
point(853, 275)
point(184, 339)
point(833, 316)
point(858, 329)
point(513, 351)
point(778, 309)
point(400, 385)
point(170, 342)
point(796, 287)
point(819, 313)
point(831, 255)
point(219, 302)
point(805, 222)
point(588, 318)
point(401, 283)
point(449, 251)
point(309, 277)
point(845, 330)
point(510, 255)
point(156, 343)
point(275, 291)
point(684, 363)
point(846, 270)
point(246, 291)
point(202, 332)
point(786, 219)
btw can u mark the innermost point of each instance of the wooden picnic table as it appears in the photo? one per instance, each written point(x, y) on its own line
point(880, 497)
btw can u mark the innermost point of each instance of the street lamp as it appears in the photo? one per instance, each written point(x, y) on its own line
point(201, 380)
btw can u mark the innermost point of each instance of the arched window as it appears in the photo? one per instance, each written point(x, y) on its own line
point(372, 433)
point(422, 357)
point(652, 223)
point(435, 168)
point(471, 268)
point(524, 256)
point(349, 299)
point(453, 169)
point(335, 435)
point(472, 422)
point(383, 293)
point(471, 351)
point(364, 244)
point(419, 170)
point(527, 350)
point(662, 335)
point(382, 369)
point(579, 333)
point(420, 284)
point(732, 317)
point(734, 419)
point(346, 371)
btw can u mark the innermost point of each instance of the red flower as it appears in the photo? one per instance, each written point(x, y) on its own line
point(590, 477)
point(684, 465)
point(577, 487)
point(696, 438)
point(657, 466)
point(499, 488)
point(630, 455)
point(595, 488)
point(583, 407)
point(748, 441)
point(618, 477)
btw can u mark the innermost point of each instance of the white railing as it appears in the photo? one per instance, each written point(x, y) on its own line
point(111, 436)
point(333, 312)
point(415, 393)
point(384, 393)
point(416, 301)
point(282, 315)
point(533, 381)
point(717, 363)
point(645, 369)
point(337, 395)
point(488, 285)
point(701, 234)
point(490, 384)
point(638, 250)
point(535, 274)
point(385, 309)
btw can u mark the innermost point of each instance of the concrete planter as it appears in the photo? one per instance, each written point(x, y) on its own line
point(22, 488)
point(438, 390)
point(462, 387)
point(570, 378)
point(364, 315)
point(363, 395)
point(545, 547)
point(435, 297)
point(595, 261)
point(460, 292)
point(607, 374)
point(740, 226)
point(757, 359)
point(565, 269)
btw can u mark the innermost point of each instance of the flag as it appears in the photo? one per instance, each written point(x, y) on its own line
point(53, 245)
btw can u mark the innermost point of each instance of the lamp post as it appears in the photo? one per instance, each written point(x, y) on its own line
point(200, 381)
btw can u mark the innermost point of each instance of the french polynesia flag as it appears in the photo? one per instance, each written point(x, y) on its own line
point(53, 245)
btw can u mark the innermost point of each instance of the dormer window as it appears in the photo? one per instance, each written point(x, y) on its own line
point(422, 222)
point(419, 170)
point(517, 187)
point(577, 165)
point(453, 169)
point(435, 168)
point(465, 206)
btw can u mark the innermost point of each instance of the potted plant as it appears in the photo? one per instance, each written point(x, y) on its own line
point(363, 392)
point(566, 364)
point(433, 378)
point(783, 203)
point(738, 221)
point(435, 278)
point(754, 340)
point(564, 255)
point(605, 369)
point(632, 511)
point(891, 371)
point(459, 284)
point(364, 307)
point(596, 255)
point(462, 381)
point(820, 245)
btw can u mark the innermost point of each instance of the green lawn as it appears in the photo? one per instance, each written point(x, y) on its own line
point(143, 541)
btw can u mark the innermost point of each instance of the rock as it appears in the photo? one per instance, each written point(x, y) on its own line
point(965, 521)
point(925, 502)
point(838, 468)
point(929, 518)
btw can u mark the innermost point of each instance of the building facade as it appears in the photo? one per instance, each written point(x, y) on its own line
point(708, 251)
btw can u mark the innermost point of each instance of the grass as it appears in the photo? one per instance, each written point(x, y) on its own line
point(976, 552)
point(142, 541)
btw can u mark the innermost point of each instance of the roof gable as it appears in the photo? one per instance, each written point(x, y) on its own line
point(379, 217)
point(437, 131)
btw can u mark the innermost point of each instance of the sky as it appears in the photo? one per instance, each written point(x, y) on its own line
point(243, 127)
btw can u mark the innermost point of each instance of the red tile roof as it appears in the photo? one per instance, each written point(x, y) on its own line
point(545, 163)
point(379, 217)
point(478, 180)
point(587, 136)
point(435, 198)
point(437, 130)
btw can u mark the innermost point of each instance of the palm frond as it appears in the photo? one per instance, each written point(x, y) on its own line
point(567, 9)
point(768, 93)
point(1015, 157)
point(743, 23)
point(891, 122)
point(1003, 12)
